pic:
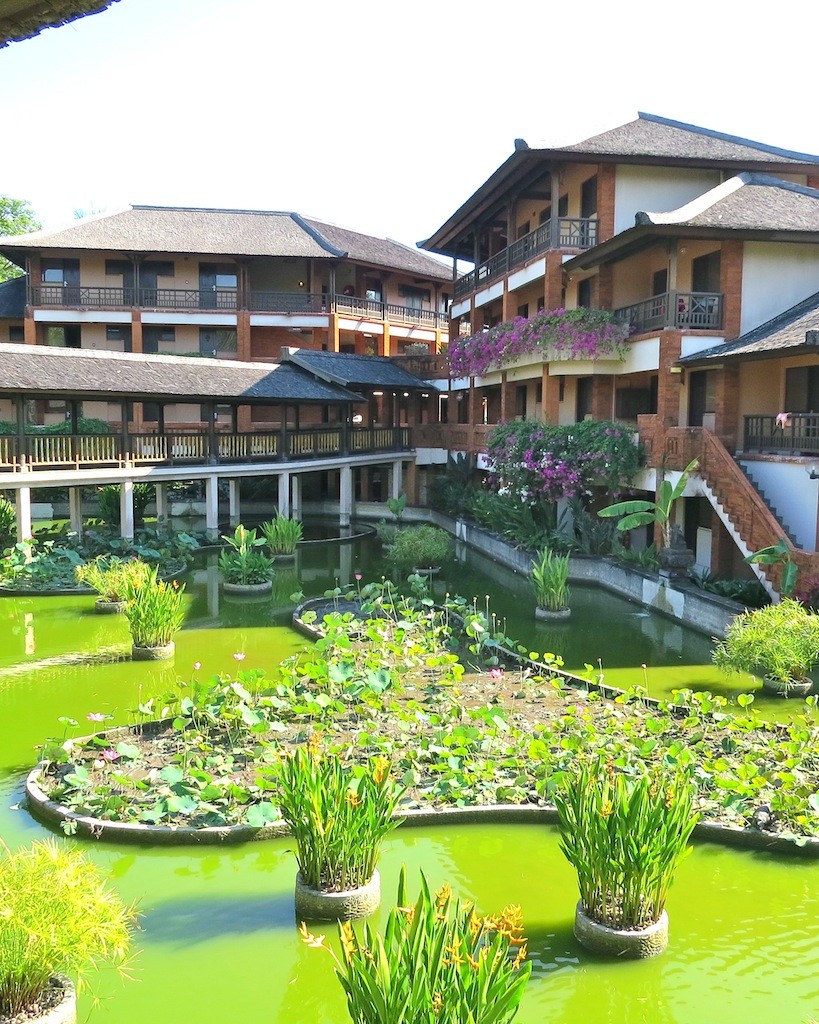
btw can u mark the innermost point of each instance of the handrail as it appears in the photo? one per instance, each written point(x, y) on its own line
point(683, 310)
point(792, 433)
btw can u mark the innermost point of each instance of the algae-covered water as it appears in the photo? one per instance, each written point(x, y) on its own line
point(218, 940)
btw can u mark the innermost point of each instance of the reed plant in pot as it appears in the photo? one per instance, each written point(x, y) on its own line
point(155, 612)
point(780, 643)
point(245, 567)
point(422, 548)
point(339, 817)
point(624, 835)
point(58, 917)
point(111, 578)
point(437, 961)
point(550, 582)
point(282, 535)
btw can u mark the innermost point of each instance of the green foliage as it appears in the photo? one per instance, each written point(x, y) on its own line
point(8, 522)
point(550, 581)
point(39, 565)
point(624, 836)
point(422, 546)
point(780, 553)
point(242, 562)
point(780, 642)
point(154, 610)
point(339, 816)
point(58, 916)
point(108, 502)
point(642, 558)
point(450, 492)
point(643, 513)
point(532, 524)
point(593, 535)
point(397, 505)
point(751, 593)
point(437, 961)
point(16, 218)
point(112, 577)
point(282, 534)
point(84, 426)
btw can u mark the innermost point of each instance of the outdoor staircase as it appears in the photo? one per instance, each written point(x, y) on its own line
point(755, 484)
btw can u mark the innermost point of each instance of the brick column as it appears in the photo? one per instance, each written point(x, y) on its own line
point(383, 342)
point(29, 327)
point(726, 419)
point(605, 287)
point(243, 336)
point(553, 283)
point(136, 331)
point(504, 403)
point(550, 387)
point(602, 397)
point(605, 201)
point(730, 284)
point(669, 384)
point(723, 549)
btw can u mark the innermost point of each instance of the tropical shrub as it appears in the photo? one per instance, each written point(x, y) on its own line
point(397, 505)
point(424, 547)
point(637, 512)
point(437, 960)
point(154, 610)
point(111, 577)
point(529, 524)
point(450, 492)
point(554, 333)
point(780, 642)
point(39, 565)
point(550, 581)
point(57, 915)
point(108, 502)
point(642, 558)
point(339, 816)
point(241, 562)
point(624, 835)
point(8, 522)
point(751, 593)
point(534, 460)
point(282, 534)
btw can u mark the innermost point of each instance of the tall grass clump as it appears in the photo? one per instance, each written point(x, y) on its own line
point(282, 534)
point(780, 641)
point(624, 836)
point(437, 961)
point(338, 816)
point(111, 577)
point(57, 916)
point(154, 610)
point(422, 547)
point(550, 581)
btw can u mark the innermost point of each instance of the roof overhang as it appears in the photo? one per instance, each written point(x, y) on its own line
point(701, 360)
point(22, 19)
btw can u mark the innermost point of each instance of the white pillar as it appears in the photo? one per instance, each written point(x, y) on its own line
point(397, 479)
point(295, 505)
point(75, 509)
point(161, 496)
point(233, 502)
point(213, 586)
point(345, 510)
point(212, 507)
point(126, 510)
point(23, 507)
point(284, 494)
point(345, 568)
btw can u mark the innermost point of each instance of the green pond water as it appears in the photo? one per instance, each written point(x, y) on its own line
point(218, 940)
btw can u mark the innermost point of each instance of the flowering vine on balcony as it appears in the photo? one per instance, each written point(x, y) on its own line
point(556, 333)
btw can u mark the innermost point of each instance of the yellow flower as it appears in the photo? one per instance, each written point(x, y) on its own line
point(314, 941)
point(347, 936)
point(380, 769)
point(607, 809)
point(352, 798)
point(520, 959)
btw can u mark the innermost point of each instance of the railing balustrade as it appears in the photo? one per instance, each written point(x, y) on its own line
point(787, 434)
point(683, 310)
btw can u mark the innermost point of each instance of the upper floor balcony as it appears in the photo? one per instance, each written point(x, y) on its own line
point(562, 233)
point(65, 296)
point(784, 434)
point(699, 311)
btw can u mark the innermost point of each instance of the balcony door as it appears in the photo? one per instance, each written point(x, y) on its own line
point(705, 272)
point(218, 285)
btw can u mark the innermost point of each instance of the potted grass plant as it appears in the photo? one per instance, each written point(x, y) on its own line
point(339, 817)
point(550, 582)
point(779, 642)
point(422, 549)
point(282, 535)
point(624, 835)
point(58, 917)
point(437, 960)
point(246, 569)
point(154, 609)
point(111, 577)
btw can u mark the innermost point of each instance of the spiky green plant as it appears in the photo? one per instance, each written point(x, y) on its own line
point(624, 835)
point(154, 609)
point(57, 915)
point(550, 581)
point(780, 641)
point(339, 816)
point(111, 576)
point(242, 561)
point(8, 520)
point(437, 961)
point(282, 534)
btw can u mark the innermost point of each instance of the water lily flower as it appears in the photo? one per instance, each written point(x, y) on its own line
point(110, 755)
point(358, 576)
point(197, 665)
point(239, 656)
point(496, 673)
point(96, 716)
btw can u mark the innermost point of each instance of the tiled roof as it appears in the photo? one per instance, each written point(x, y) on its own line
point(783, 335)
point(351, 370)
point(21, 19)
point(13, 298)
point(41, 369)
point(160, 229)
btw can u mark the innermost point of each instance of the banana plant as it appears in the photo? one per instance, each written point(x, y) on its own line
point(778, 554)
point(636, 512)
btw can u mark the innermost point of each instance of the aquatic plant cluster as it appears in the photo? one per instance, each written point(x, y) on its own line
point(553, 333)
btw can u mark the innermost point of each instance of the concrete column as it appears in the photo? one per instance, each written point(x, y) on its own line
point(345, 510)
point(284, 494)
point(397, 479)
point(212, 506)
point(126, 510)
point(75, 509)
point(345, 568)
point(23, 507)
point(233, 502)
point(161, 498)
point(295, 504)
point(213, 585)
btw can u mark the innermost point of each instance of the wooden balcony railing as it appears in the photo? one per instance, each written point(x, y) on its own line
point(786, 434)
point(189, 447)
point(562, 233)
point(701, 311)
point(454, 437)
point(427, 367)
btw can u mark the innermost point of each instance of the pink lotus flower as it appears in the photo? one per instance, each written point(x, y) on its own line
point(358, 576)
point(496, 673)
point(95, 716)
point(110, 755)
point(197, 665)
point(239, 656)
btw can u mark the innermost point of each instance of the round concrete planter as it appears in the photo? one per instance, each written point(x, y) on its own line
point(153, 653)
point(315, 905)
point(430, 570)
point(62, 1012)
point(794, 688)
point(248, 589)
point(547, 615)
point(102, 607)
point(628, 945)
point(282, 556)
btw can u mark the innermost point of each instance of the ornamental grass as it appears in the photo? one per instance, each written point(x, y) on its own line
point(154, 610)
point(437, 960)
point(111, 577)
point(57, 916)
point(241, 562)
point(282, 534)
point(339, 816)
point(780, 641)
point(550, 581)
point(624, 836)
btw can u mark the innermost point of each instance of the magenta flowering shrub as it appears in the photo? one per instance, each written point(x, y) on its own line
point(536, 460)
point(556, 333)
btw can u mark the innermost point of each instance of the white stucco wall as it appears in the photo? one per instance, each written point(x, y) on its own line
point(775, 276)
point(793, 494)
point(657, 190)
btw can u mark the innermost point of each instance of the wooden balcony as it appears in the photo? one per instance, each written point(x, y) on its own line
point(698, 311)
point(787, 434)
point(196, 447)
point(427, 367)
point(562, 233)
point(454, 437)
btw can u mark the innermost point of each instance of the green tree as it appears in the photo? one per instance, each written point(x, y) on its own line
point(16, 218)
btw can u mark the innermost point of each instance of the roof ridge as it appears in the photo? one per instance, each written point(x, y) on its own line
point(725, 137)
point(316, 235)
point(139, 357)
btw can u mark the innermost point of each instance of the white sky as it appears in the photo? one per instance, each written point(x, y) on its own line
point(379, 116)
